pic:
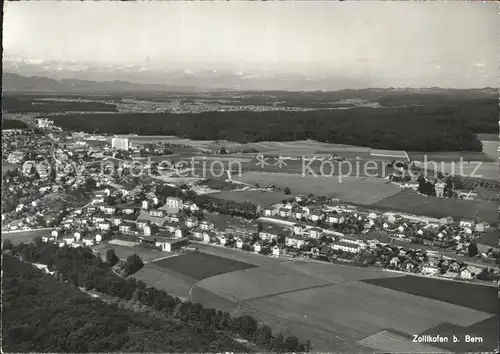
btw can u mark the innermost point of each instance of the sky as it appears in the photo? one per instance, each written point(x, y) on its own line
point(381, 44)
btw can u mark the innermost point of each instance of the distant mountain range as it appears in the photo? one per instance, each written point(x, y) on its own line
point(211, 80)
point(60, 77)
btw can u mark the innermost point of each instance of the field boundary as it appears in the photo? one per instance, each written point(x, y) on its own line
point(439, 278)
point(30, 230)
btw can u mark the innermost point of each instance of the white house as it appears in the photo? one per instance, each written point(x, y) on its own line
point(285, 213)
point(465, 273)
point(77, 236)
point(294, 241)
point(109, 210)
point(372, 216)
point(191, 206)
point(315, 232)
point(191, 222)
point(55, 233)
point(429, 269)
point(147, 230)
point(145, 204)
point(116, 220)
point(256, 247)
point(103, 225)
point(207, 237)
point(125, 227)
point(276, 251)
point(223, 240)
point(178, 233)
point(481, 227)
point(239, 243)
point(207, 225)
point(87, 241)
point(316, 215)
point(98, 238)
point(346, 247)
point(269, 211)
point(174, 203)
point(467, 223)
point(297, 214)
point(299, 229)
point(335, 219)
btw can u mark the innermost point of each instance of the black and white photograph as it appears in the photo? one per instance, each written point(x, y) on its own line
point(250, 177)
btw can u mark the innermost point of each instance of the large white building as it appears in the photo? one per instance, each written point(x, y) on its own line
point(120, 143)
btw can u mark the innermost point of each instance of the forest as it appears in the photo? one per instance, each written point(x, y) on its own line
point(449, 127)
point(52, 313)
point(27, 104)
point(13, 124)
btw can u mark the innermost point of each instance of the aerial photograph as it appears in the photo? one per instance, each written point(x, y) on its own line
point(250, 177)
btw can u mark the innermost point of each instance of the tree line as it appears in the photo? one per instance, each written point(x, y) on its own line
point(82, 268)
point(44, 314)
point(415, 128)
point(243, 209)
point(13, 124)
point(29, 104)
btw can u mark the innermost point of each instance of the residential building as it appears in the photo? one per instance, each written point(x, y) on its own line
point(276, 251)
point(175, 203)
point(315, 232)
point(299, 229)
point(269, 211)
point(256, 247)
point(294, 241)
point(345, 246)
point(120, 143)
point(191, 222)
point(467, 223)
point(207, 225)
point(239, 243)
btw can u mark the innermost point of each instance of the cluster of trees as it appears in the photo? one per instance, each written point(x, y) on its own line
point(33, 104)
point(415, 128)
point(13, 124)
point(42, 314)
point(211, 204)
point(82, 268)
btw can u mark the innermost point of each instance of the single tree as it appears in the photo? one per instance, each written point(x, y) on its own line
point(111, 257)
point(473, 251)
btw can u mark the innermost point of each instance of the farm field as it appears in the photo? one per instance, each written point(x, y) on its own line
point(490, 149)
point(360, 190)
point(411, 202)
point(449, 156)
point(462, 294)
point(485, 170)
point(25, 236)
point(6, 166)
point(223, 222)
point(257, 197)
point(198, 265)
point(335, 306)
point(169, 281)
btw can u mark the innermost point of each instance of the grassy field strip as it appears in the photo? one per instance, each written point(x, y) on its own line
point(25, 236)
point(411, 202)
point(360, 190)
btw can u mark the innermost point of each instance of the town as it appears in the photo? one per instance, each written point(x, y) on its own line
point(140, 210)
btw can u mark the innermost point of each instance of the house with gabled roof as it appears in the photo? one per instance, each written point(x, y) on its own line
point(315, 232)
point(126, 227)
point(295, 241)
